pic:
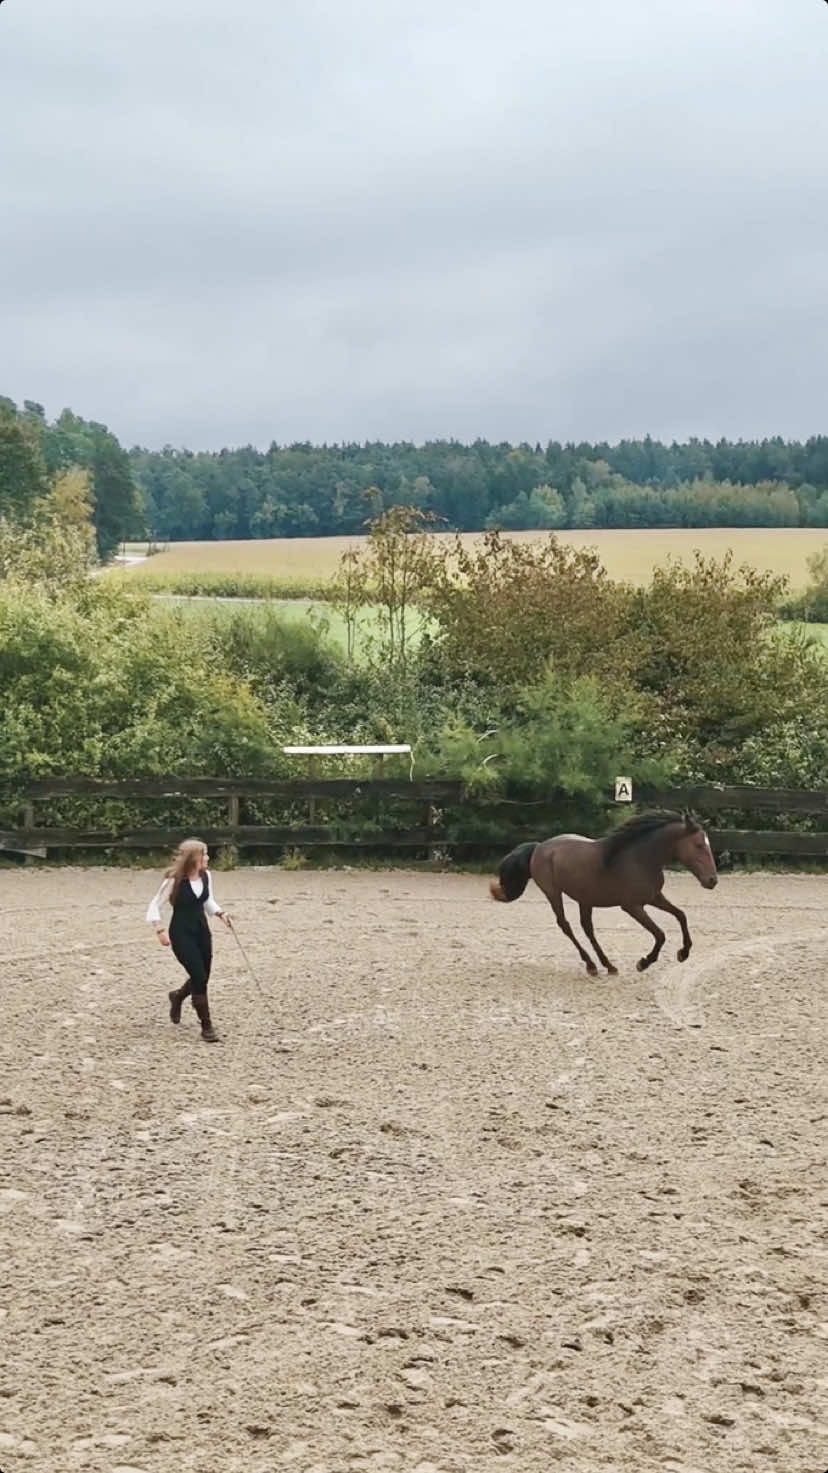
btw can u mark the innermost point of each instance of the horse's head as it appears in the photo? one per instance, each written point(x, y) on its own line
point(693, 850)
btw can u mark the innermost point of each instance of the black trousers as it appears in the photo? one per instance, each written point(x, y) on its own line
point(193, 947)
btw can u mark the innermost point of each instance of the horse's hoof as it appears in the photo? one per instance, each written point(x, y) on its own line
point(683, 953)
point(592, 971)
point(612, 971)
point(642, 965)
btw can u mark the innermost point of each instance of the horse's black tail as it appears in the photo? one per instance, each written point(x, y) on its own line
point(513, 876)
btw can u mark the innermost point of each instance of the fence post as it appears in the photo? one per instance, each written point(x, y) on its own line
point(313, 771)
point(28, 823)
point(432, 817)
point(233, 812)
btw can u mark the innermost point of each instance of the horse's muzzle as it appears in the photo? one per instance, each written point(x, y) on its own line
point(711, 882)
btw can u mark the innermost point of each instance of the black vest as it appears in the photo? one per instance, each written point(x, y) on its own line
point(189, 907)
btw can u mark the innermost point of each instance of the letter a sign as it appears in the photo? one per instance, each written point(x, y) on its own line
point(623, 790)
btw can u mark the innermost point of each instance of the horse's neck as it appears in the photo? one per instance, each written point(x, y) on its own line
point(657, 850)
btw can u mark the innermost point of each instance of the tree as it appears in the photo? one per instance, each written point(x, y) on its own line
point(117, 514)
point(813, 605)
point(393, 570)
point(508, 611)
point(350, 595)
point(56, 547)
point(72, 499)
point(70, 502)
point(543, 510)
point(702, 640)
point(22, 471)
point(581, 506)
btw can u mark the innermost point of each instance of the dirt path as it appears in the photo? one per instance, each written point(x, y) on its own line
point(449, 1205)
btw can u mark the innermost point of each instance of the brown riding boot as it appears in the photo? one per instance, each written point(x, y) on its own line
point(177, 998)
point(208, 1032)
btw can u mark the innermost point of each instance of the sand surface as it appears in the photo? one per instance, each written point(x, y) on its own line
point(443, 1203)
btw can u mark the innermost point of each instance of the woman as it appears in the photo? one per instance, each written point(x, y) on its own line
point(188, 888)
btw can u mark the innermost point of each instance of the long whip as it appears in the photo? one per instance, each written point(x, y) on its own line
point(247, 960)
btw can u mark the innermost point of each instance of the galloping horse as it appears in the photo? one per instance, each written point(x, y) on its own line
point(625, 868)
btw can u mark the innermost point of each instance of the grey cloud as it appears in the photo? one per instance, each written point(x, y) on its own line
point(339, 219)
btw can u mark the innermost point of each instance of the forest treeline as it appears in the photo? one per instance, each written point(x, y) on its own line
point(302, 490)
point(306, 490)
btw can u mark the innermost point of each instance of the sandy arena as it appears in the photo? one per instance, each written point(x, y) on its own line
point(444, 1204)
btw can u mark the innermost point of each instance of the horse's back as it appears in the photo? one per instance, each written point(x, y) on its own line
point(563, 842)
point(567, 862)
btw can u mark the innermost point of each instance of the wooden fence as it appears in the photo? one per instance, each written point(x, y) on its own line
point(509, 824)
point(34, 841)
point(711, 801)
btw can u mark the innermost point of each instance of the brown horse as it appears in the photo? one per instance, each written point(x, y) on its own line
point(625, 868)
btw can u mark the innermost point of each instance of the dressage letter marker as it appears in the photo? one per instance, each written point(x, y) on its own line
point(623, 790)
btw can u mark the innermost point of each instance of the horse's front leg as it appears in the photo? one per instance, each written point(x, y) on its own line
point(555, 899)
point(639, 914)
point(661, 904)
point(589, 932)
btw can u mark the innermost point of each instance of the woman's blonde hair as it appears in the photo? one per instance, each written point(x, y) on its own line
point(183, 863)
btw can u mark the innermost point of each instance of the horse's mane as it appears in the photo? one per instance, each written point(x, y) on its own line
point(635, 829)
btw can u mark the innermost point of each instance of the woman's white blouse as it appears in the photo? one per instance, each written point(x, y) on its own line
point(211, 905)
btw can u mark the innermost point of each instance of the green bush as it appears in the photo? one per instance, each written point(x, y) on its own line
point(271, 651)
point(93, 687)
point(562, 741)
point(812, 604)
point(507, 611)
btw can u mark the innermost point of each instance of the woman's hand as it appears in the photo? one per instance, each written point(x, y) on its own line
point(227, 921)
point(163, 937)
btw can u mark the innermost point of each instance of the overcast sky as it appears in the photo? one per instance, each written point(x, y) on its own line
point(353, 219)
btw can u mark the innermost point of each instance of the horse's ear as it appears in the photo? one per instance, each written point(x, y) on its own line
point(689, 822)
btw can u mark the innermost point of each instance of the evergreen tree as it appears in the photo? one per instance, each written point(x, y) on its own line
point(116, 511)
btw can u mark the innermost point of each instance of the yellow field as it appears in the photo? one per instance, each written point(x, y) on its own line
point(627, 554)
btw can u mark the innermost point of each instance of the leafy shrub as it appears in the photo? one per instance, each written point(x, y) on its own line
point(812, 604)
point(91, 687)
point(509, 610)
point(272, 652)
point(563, 736)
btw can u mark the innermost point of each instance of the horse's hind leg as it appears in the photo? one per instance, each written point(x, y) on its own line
point(639, 914)
point(661, 904)
point(555, 899)
point(589, 931)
